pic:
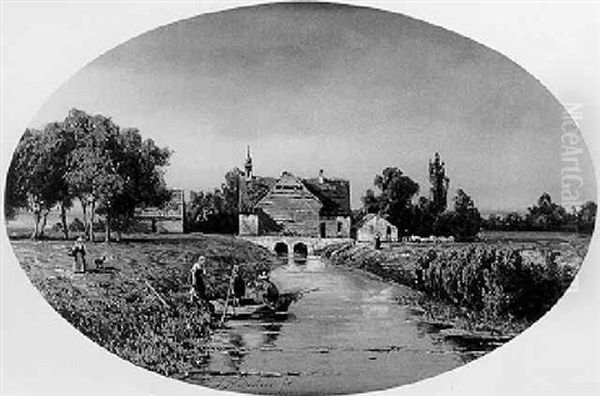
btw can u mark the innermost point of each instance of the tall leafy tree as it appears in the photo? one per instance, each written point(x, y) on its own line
point(139, 164)
point(439, 185)
point(546, 215)
point(396, 191)
point(59, 142)
point(468, 219)
point(93, 174)
point(371, 202)
point(231, 189)
point(36, 175)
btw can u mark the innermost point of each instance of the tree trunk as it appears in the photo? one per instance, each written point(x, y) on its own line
point(92, 210)
point(63, 219)
point(44, 220)
point(36, 226)
point(107, 229)
point(85, 216)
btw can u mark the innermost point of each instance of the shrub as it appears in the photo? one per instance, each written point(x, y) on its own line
point(77, 225)
point(493, 281)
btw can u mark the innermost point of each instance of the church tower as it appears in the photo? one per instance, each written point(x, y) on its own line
point(248, 165)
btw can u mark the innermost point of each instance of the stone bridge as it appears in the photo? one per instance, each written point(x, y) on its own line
point(292, 245)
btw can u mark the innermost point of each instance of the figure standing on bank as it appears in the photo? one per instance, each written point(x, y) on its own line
point(78, 254)
point(197, 280)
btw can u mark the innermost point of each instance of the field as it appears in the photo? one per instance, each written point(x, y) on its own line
point(137, 305)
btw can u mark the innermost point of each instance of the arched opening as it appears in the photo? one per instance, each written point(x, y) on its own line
point(388, 233)
point(300, 251)
point(281, 249)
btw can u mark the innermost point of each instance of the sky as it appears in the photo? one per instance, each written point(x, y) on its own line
point(345, 89)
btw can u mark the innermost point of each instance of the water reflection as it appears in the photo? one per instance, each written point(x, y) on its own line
point(346, 334)
point(239, 338)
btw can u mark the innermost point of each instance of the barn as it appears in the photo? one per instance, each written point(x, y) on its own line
point(316, 207)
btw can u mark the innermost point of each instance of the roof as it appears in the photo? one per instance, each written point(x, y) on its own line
point(333, 193)
point(370, 217)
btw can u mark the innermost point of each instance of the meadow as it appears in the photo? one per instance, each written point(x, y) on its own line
point(137, 305)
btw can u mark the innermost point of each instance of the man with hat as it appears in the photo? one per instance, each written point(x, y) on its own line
point(269, 292)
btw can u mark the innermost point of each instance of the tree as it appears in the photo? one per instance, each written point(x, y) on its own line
point(59, 142)
point(139, 164)
point(36, 175)
point(439, 185)
point(206, 212)
point(394, 199)
point(15, 193)
point(92, 171)
point(586, 217)
point(466, 221)
point(424, 217)
point(89, 158)
point(371, 203)
point(546, 215)
point(231, 191)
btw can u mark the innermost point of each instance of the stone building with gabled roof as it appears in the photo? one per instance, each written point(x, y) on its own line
point(288, 205)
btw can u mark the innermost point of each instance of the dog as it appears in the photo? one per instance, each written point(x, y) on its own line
point(99, 262)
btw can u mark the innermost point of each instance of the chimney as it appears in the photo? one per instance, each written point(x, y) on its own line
point(321, 176)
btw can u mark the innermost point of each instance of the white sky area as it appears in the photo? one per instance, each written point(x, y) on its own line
point(344, 89)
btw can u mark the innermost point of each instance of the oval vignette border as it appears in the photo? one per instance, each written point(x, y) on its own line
point(463, 370)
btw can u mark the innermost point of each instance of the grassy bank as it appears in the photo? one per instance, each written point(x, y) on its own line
point(137, 306)
point(499, 287)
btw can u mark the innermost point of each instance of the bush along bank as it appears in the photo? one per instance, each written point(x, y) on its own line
point(471, 287)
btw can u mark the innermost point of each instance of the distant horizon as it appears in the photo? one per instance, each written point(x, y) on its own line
point(346, 89)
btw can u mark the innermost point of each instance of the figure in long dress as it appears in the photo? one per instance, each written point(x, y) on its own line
point(78, 254)
point(197, 280)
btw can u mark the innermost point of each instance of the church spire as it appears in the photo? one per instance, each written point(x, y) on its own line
point(248, 165)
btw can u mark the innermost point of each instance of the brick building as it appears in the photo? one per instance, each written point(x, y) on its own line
point(288, 205)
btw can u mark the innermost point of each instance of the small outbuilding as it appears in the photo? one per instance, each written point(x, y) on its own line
point(373, 225)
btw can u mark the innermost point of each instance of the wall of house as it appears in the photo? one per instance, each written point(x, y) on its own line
point(377, 226)
point(158, 225)
point(335, 226)
point(248, 224)
point(169, 218)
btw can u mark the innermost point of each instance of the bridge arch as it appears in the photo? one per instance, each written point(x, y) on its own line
point(300, 250)
point(281, 249)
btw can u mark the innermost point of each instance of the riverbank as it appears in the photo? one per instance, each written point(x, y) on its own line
point(136, 305)
point(470, 292)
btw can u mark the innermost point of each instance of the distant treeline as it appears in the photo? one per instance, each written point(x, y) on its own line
point(546, 215)
point(110, 170)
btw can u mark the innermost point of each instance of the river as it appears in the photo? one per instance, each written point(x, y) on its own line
point(348, 334)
